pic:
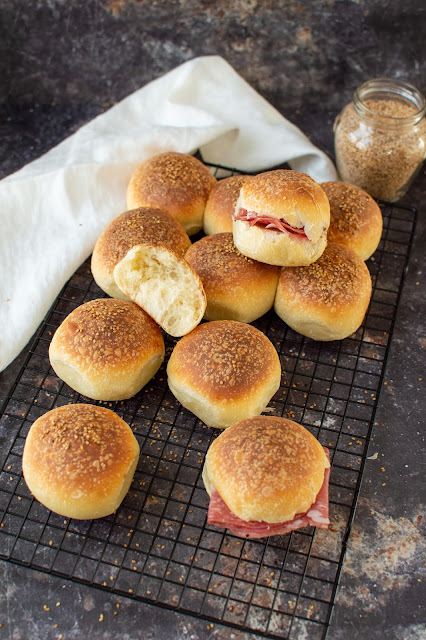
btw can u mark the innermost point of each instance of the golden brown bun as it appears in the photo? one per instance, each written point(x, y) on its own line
point(107, 349)
point(224, 371)
point(143, 225)
point(355, 218)
point(79, 460)
point(285, 195)
point(328, 299)
point(175, 182)
point(165, 285)
point(237, 287)
point(221, 204)
point(266, 469)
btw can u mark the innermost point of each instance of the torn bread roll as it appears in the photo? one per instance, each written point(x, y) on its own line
point(328, 299)
point(137, 226)
point(355, 218)
point(221, 203)
point(266, 476)
point(237, 287)
point(79, 460)
point(281, 218)
point(164, 285)
point(107, 349)
point(224, 371)
point(175, 182)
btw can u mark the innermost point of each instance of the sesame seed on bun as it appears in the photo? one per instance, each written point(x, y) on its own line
point(144, 225)
point(175, 182)
point(224, 371)
point(237, 287)
point(355, 218)
point(326, 300)
point(107, 349)
point(221, 204)
point(79, 460)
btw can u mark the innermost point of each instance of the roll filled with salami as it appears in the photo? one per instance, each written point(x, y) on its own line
point(267, 476)
point(281, 217)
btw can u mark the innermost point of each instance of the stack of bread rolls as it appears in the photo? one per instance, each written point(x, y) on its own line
point(275, 240)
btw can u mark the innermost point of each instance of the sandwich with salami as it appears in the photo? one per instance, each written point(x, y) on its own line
point(267, 476)
point(281, 217)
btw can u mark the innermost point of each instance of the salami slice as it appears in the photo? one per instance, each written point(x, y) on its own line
point(219, 515)
point(277, 224)
point(318, 513)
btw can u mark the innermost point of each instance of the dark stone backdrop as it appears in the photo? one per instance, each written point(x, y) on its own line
point(306, 57)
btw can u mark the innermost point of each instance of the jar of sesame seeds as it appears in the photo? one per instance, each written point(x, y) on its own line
point(380, 138)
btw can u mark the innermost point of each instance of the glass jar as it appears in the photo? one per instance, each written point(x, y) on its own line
point(380, 138)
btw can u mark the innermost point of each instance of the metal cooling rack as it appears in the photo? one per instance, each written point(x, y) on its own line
point(157, 547)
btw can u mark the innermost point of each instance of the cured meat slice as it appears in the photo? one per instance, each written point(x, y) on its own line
point(220, 515)
point(278, 224)
point(318, 513)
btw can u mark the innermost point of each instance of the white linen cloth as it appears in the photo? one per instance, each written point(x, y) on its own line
point(53, 210)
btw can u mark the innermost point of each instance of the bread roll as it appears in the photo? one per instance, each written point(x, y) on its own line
point(266, 469)
point(281, 217)
point(165, 285)
point(175, 182)
point(138, 226)
point(224, 371)
point(328, 299)
point(221, 203)
point(237, 287)
point(79, 460)
point(107, 349)
point(355, 218)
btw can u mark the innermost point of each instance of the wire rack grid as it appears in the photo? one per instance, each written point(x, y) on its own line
point(158, 547)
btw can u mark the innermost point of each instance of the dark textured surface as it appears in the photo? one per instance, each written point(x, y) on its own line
point(382, 592)
point(303, 56)
point(100, 51)
point(62, 63)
